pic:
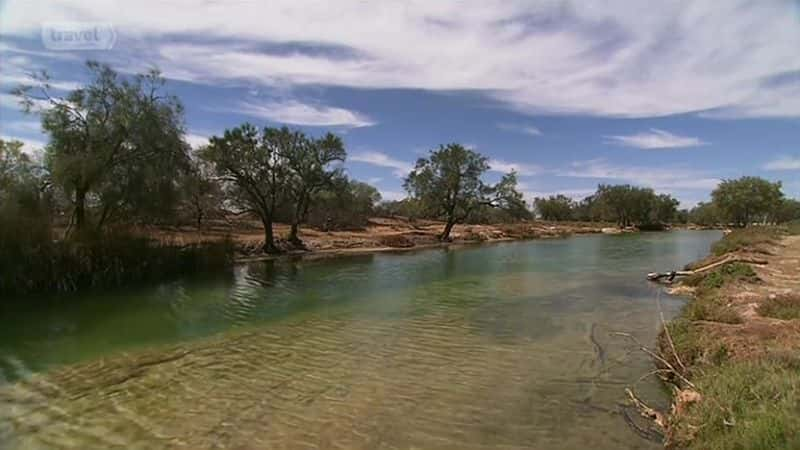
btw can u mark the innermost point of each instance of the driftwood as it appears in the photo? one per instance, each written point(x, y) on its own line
point(671, 275)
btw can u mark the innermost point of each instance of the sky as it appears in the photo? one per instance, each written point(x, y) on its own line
point(569, 94)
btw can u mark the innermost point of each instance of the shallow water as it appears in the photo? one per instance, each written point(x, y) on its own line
point(500, 346)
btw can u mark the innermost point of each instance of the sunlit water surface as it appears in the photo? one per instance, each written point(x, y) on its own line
point(504, 346)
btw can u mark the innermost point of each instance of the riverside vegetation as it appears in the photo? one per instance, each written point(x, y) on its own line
point(736, 342)
point(117, 162)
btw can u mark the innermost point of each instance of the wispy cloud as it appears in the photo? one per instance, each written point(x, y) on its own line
point(196, 140)
point(520, 128)
point(294, 112)
point(30, 146)
point(401, 168)
point(656, 139)
point(498, 165)
point(392, 195)
point(783, 163)
point(659, 178)
point(615, 60)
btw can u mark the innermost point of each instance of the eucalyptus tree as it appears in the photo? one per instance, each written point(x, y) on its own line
point(254, 172)
point(556, 207)
point(747, 199)
point(448, 184)
point(115, 143)
point(309, 161)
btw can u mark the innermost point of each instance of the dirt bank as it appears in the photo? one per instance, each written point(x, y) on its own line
point(380, 234)
point(736, 348)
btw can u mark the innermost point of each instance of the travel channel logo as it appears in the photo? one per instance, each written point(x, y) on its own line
point(78, 36)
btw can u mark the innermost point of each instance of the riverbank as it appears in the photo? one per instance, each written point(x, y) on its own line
point(381, 234)
point(733, 352)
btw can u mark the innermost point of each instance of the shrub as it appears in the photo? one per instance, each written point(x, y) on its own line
point(112, 259)
point(786, 307)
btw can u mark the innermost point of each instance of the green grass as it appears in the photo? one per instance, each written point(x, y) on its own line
point(785, 307)
point(745, 406)
point(712, 308)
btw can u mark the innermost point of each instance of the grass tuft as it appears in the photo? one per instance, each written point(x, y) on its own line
point(785, 307)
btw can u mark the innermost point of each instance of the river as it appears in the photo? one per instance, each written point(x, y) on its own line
point(499, 346)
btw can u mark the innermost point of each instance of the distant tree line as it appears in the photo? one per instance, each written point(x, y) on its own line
point(741, 202)
point(624, 205)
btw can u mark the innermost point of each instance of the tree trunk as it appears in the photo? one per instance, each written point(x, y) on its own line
point(269, 238)
point(293, 238)
point(80, 209)
point(445, 236)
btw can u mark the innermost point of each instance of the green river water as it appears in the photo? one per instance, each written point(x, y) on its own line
point(502, 346)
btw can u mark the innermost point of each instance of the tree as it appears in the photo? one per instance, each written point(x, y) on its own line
point(665, 209)
point(343, 204)
point(747, 199)
point(704, 214)
point(115, 142)
point(253, 170)
point(202, 193)
point(309, 162)
point(631, 205)
point(21, 181)
point(448, 184)
point(556, 207)
point(787, 211)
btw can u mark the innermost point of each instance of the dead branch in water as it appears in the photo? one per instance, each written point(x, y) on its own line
point(657, 357)
point(670, 276)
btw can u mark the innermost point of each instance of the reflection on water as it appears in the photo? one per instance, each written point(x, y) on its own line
point(501, 346)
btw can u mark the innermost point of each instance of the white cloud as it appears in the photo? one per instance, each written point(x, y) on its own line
point(667, 179)
point(401, 168)
point(784, 163)
point(196, 140)
point(520, 128)
point(655, 139)
point(393, 195)
point(497, 165)
point(297, 113)
point(30, 146)
point(613, 58)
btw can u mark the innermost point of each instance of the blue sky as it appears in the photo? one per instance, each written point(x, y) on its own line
point(568, 94)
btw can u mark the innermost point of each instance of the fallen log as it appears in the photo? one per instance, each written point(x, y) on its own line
point(672, 274)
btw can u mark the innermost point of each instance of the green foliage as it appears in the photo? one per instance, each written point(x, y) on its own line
point(115, 144)
point(344, 204)
point(784, 307)
point(448, 184)
point(309, 163)
point(704, 214)
point(253, 171)
point(556, 207)
point(726, 274)
point(788, 211)
point(747, 200)
point(711, 308)
point(746, 406)
point(31, 262)
point(630, 205)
